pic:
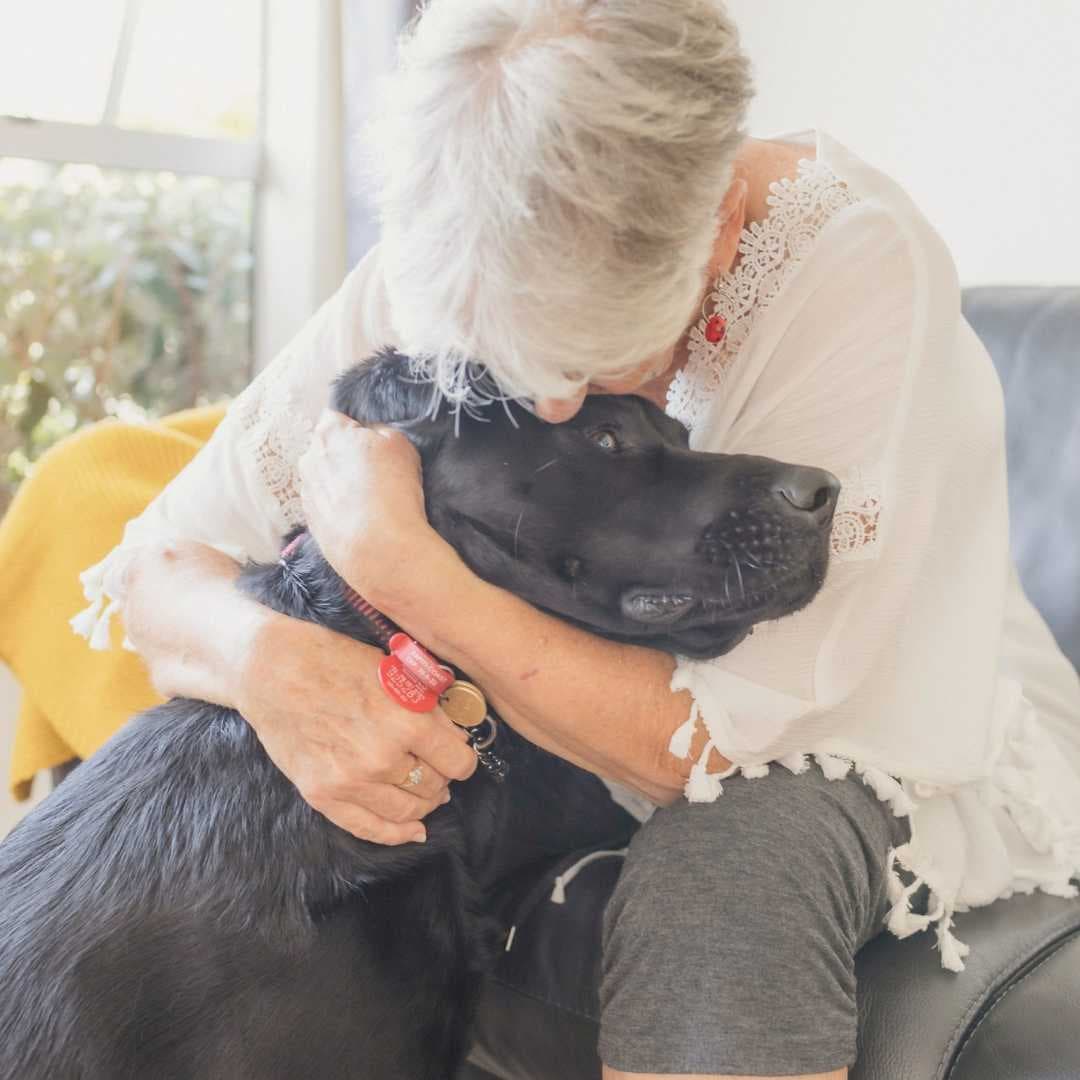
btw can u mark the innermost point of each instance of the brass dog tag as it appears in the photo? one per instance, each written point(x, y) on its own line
point(464, 704)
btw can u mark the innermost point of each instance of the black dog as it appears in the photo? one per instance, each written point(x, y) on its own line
point(175, 909)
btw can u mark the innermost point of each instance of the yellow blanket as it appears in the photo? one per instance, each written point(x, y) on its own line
point(66, 517)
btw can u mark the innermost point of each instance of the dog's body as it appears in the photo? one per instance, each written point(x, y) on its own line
point(175, 909)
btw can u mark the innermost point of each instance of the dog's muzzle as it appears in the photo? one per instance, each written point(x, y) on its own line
point(655, 606)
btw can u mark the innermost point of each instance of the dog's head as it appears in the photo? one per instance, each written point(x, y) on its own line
point(609, 520)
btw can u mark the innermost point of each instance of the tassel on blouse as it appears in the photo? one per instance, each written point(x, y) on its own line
point(887, 789)
point(795, 763)
point(833, 766)
point(951, 948)
point(86, 621)
point(704, 786)
point(902, 922)
point(93, 622)
point(1037, 821)
point(100, 638)
point(683, 736)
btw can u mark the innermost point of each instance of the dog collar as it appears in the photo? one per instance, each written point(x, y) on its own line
point(418, 680)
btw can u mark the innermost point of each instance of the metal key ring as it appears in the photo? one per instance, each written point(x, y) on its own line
point(478, 742)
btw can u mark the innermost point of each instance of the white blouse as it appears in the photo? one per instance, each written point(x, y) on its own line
point(920, 666)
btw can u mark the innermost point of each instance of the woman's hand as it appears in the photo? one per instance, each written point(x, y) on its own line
point(314, 700)
point(364, 505)
point(311, 695)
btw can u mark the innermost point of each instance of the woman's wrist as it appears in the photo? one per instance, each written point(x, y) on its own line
point(170, 589)
point(413, 585)
point(262, 637)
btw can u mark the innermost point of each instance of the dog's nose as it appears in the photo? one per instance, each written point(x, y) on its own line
point(813, 491)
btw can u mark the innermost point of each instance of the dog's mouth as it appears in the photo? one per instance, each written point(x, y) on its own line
point(656, 607)
point(666, 608)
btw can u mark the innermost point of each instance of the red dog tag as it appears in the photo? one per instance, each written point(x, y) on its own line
point(399, 683)
point(412, 676)
point(420, 663)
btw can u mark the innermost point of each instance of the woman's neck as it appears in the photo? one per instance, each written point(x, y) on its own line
point(760, 163)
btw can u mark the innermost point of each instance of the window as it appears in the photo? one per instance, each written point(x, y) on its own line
point(129, 182)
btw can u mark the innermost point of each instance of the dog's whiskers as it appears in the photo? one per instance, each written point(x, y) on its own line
point(738, 570)
point(546, 465)
point(509, 414)
point(517, 527)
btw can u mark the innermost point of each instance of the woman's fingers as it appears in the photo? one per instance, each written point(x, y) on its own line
point(389, 815)
point(431, 784)
point(432, 737)
point(348, 748)
point(364, 824)
point(400, 806)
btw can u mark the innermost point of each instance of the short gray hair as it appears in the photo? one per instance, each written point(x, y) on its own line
point(548, 176)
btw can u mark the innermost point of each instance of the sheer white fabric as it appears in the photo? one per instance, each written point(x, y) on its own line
point(241, 492)
point(921, 666)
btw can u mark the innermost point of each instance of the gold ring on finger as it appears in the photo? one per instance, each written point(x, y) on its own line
point(416, 774)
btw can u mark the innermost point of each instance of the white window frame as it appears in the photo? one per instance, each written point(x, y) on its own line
point(300, 224)
point(294, 163)
point(119, 148)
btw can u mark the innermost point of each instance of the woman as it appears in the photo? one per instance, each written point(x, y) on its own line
point(567, 196)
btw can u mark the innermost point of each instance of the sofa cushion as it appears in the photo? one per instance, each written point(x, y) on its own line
point(1033, 334)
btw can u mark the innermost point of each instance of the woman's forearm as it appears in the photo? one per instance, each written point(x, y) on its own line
point(310, 694)
point(185, 615)
point(603, 705)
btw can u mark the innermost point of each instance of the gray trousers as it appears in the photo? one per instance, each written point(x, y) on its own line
point(730, 939)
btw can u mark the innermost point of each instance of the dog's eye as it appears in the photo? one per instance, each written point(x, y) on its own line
point(605, 439)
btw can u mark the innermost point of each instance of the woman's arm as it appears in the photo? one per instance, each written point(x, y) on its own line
point(311, 695)
point(170, 587)
point(605, 706)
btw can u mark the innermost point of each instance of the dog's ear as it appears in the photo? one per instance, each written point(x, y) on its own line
point(381, 390)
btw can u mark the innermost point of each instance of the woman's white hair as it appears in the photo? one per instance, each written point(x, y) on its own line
point(549, 175)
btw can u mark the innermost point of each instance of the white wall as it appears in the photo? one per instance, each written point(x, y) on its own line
point(974, 105)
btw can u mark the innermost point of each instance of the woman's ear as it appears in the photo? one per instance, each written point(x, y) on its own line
point(731, 219)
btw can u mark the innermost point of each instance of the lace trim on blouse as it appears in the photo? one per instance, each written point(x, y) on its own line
point(855, 527)
point(771, 251)
point(276, 431)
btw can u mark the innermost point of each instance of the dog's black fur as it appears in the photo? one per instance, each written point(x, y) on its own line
point(175, 909)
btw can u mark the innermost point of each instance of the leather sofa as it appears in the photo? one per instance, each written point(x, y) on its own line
point(1014, 1014)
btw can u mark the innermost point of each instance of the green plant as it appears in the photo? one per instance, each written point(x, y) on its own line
point(121, 294)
